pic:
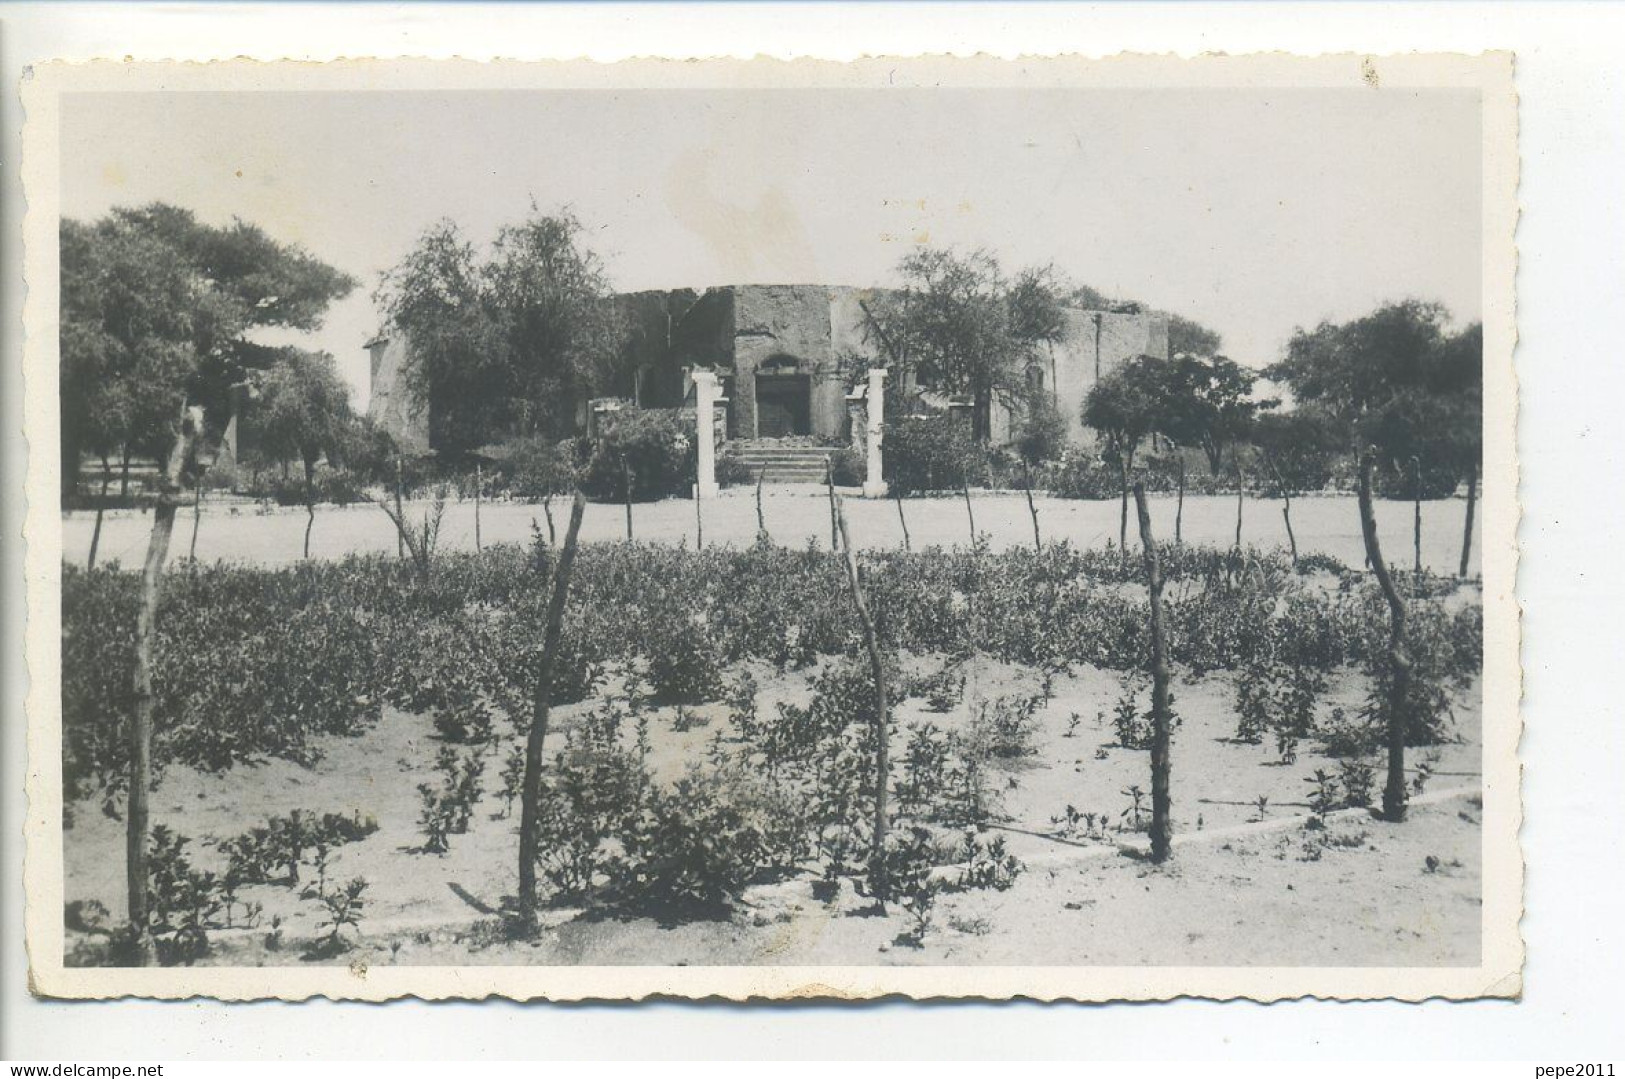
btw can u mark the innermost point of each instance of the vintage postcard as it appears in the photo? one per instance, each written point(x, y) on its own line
point(928, 527)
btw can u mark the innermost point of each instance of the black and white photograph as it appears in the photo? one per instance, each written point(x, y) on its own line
point(932, 528)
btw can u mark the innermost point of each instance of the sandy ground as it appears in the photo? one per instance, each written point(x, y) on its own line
point(795, 514)
point(1242, 889)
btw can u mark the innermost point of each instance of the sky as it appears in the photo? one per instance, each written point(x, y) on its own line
point(1252, 211)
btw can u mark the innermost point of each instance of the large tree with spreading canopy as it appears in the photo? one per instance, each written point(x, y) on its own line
point(159, 309)
point(961, 324)
point(508, 340)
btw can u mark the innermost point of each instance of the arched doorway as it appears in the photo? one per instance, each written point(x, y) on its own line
point(783, 398)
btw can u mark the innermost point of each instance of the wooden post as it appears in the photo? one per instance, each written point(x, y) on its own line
point(877, 862)
point(1416, 496)
point(761, 518)
point(310, 505)
point(1241, 498)
point(400, 513)
point(146, 631)
point(197, 512)
point(479, 486)
point(626, 487)
point(107, 477)
point(834, 524)
point(1179, 507)
point(1467, 527)
point(1038, 541)
point(1286, 507)
point(1122, 517)
point(970, 513)
point(1161, 707)
point(699, 520)
point(541, 704)
point(908, 544)
point(1393, 792)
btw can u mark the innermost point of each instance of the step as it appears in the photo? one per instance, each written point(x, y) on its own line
point(784, 455)
point(756, 459)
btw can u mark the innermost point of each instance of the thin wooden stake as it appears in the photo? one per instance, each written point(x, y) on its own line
point(699, 520)
point(197, 513)
point(1038, 541)
point(101, 504)
point(626, 486)
point(541, 705)
point(146, 632)
point(1416, 528)
point(970, 514)
point(1393, 792)
point(761, 518)
point(310, 506)
point(1286, 507)
point(1241, 499)
point(1161, 703)
point(834, 524)
point(1122, 517)
point(897, 497)
point(1467, 526)
point(1179, 510)
point(882, 725)
point(400, 514)
point(479, 485)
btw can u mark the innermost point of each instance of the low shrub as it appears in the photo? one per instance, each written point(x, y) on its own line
point(731, 471)
point(657, 448)
point(848, 467)
point(536, 468)
point(933, 453)
point(1040, 433)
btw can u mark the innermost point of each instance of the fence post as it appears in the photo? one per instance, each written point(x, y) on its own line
point(146, 632)
point(1161, 719)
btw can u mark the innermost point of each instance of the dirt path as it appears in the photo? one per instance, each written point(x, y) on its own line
point(795, 516)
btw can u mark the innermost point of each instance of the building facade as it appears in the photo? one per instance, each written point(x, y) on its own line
point(786, 357)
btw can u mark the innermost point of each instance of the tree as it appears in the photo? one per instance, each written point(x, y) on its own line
point(1399, 381)
point(1297, 448)
point(1208, 402)
point(303, 411)
point(1188, 336)
point(1126, 406)
point(507, 343)
point(960, 325)
point(157, 310)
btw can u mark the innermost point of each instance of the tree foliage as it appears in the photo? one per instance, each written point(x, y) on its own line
point(302, 409)
point(505, 341)
point(962, 325)
point(1298, 448)
point(1128, 404)
point(1208, 402)
point(157, 310)
point(1397, 379)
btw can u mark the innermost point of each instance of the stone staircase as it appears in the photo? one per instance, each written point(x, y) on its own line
point(796, 460)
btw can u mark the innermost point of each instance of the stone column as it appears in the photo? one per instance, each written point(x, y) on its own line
point(874, 486)
point(705, 397)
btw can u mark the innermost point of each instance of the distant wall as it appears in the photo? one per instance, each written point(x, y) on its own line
point(390, 405)
point(1076, 360)
point(738, 330)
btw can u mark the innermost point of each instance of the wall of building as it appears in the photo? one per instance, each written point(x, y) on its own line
point(803, 329)
point(390, 405)
point(1076, 360)
point(789, 329)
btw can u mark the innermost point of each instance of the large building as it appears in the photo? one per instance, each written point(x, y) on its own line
point(786, 356)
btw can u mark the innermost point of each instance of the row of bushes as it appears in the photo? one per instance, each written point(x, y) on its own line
point(252, 663)
point(929, 454)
